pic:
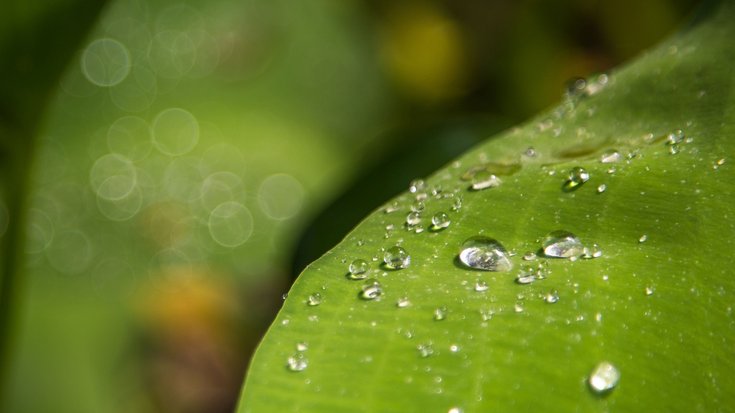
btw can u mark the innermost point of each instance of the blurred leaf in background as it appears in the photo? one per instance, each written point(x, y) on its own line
point(189, 144)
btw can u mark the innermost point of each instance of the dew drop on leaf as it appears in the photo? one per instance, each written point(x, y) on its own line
point(396, 258)
point(358, 268)
point(603, 378)
point(484, 179)
point(551, 297)
point(611, 157)
point(562, 244)
point(371, 291)
point(440, 313)
point(413, 218)
point(577, 176)
point(314, 300)
point(484, 253)
point(440, 220)
point(297, 362)
point(481, 286)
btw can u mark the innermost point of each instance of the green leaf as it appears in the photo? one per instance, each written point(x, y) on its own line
point(659, 307)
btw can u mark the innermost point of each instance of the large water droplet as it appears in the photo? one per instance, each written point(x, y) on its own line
point(297, 362)
point(371, 291)
point(357, 269)
point(604, 377)
point(484, 253)
point(440, 220)
point(577, 176)
point(562, 244)
point(396, 258)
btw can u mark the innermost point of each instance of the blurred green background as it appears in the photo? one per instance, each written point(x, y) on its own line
point(196, 155)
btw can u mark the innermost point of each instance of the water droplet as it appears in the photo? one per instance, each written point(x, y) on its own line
point(592, 252)
point(643, 239)
point(526, 275)
point(529, 256)
point(314, 300)
point(649, 290)
point(518, 308)
point(457, 204)
point(371, 291)
point(396, 258)
point(604, 378)
point(551, 297)
point(302, 346)
point(562, 244)
point(393, 207)
point(577, 176)
point(602, 188)
point(455, 410)
point(674, 149)
point(675, 137)
point(358, 269)
point(440, 220)
point(425, 350)
point(483, 180)
point(575, 89)
point(297, 362)
point(416, 186)
point(403, 302)
point(530, 152)
point(440, 313)
point(413, 218)
point(611, 157)
point(484, 253)
point(481, 286)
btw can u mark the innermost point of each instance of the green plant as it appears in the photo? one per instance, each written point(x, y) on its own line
point(657, 303)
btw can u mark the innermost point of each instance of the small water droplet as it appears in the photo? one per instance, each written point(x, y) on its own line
point(603, 378)
point(649, 290)
point(484, 179)
point(643, 239)
point(413, 218)
point(611, 157)
point(530, 152)
point(675, 137)
point(371, 291)
point(440, 220)
point(602, 188)
point(592, 252)
point(417, 206)
point(481, 286)
point(302, 346)
point(440, 313)
point(403, 302)
point(455, 410)
point(297, 362)
point(393, 207)
point(358, 269)
point(551, 297)
point(529, 256)
point(674, 149)
point(611, 170)
point(396, 258)
point(562, 244)
point(416, 186)
point(518, 308)
point(314, 300)
point(425, 350)
point(577, 176)
point(457, 204)
point(575, 88)
point(454, 348)
point(484, 253)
